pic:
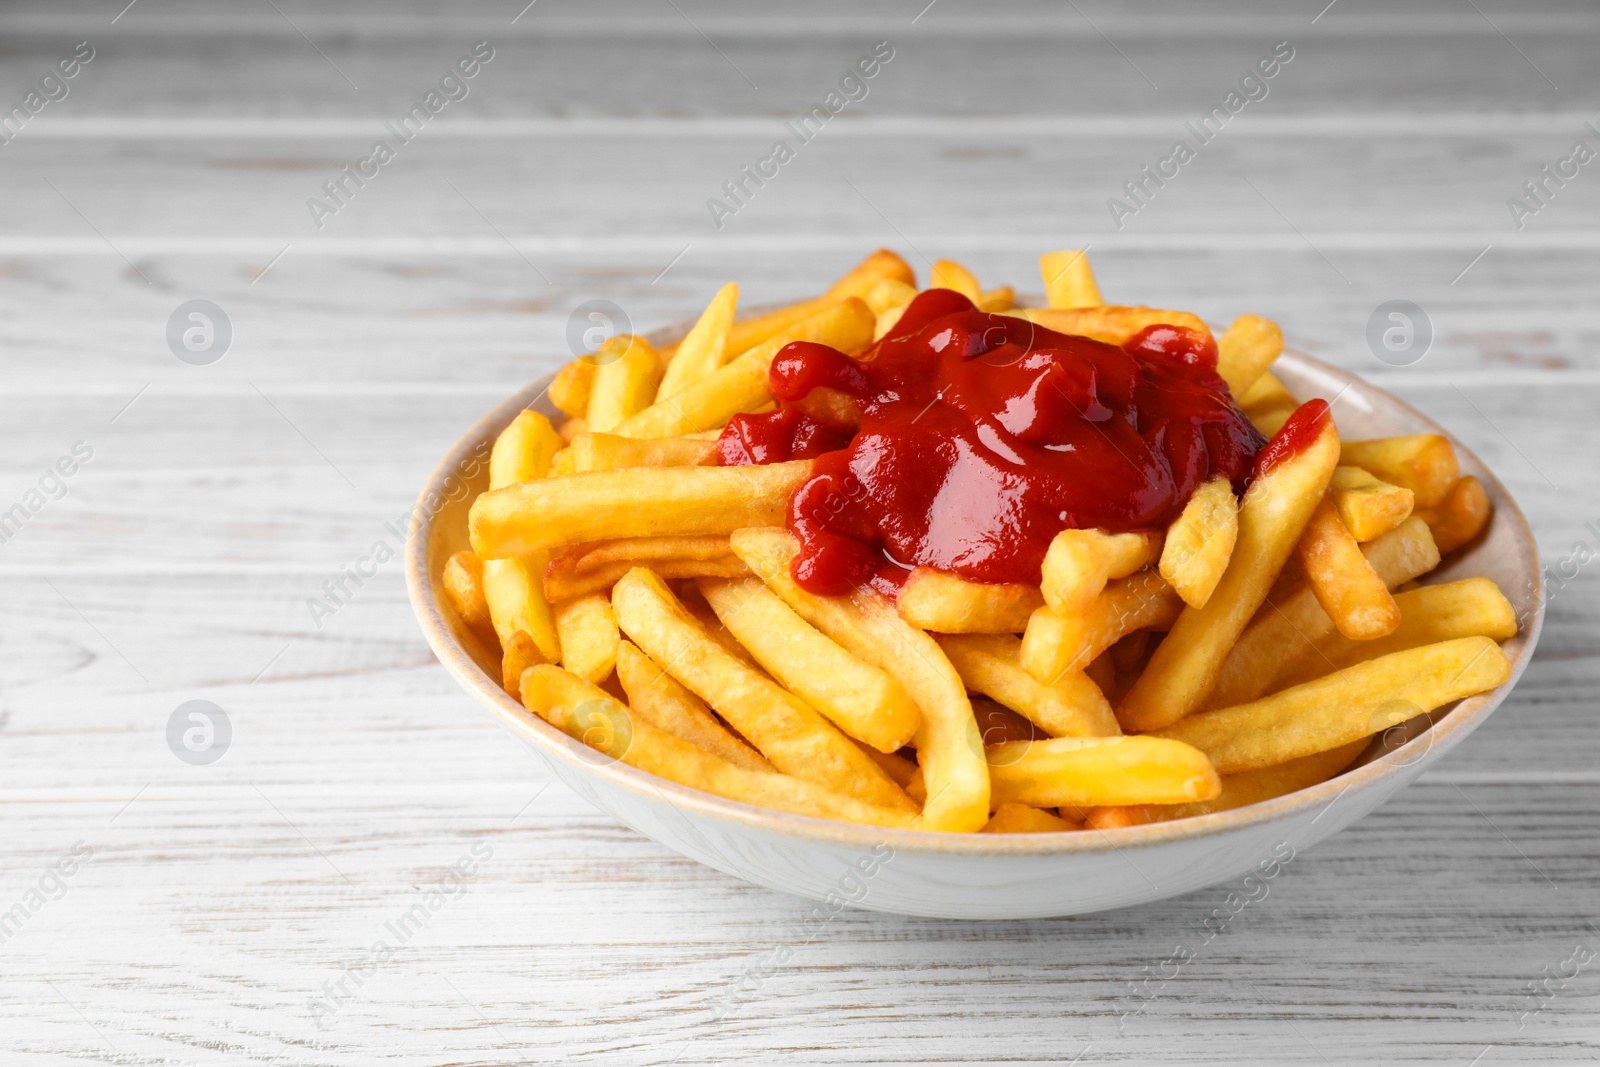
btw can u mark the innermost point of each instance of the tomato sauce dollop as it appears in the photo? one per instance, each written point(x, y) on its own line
point(982, 436)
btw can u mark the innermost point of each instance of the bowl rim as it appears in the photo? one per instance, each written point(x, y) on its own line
point(1444, 733)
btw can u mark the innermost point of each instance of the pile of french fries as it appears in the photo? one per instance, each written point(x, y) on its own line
point(641, 600)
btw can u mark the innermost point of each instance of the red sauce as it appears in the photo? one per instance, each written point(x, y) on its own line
point(983, 436)
point(1293, 437)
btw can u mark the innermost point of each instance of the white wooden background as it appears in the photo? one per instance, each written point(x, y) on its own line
point(218, 900)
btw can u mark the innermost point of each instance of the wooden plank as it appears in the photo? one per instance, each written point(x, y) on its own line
point(177, 947)
point(246, 63)
point(391, 322)
point(910, 188)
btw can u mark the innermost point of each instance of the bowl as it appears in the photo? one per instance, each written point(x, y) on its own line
point(982, 876)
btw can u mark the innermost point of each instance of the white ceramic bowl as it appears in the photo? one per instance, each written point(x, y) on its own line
point(982, 876)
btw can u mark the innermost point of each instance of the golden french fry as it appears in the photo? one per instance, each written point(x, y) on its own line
point(741, 384)
point(702, 349)
point(1099, 771)
point(1460, 516)
point(523, 451)
point(606, 452)
point(860, 699)
point(933, 600)
point(1071, 707)
point(889, 293)
point(1003, 298)
point(593, 716)
point(570, 389)
point(900, 770)
point(1335, 710)
point(512, 586)
point(1268, 404)
point(1274, 511)
point(948, 274)
point(1080, 562)
point(1117, 817)
point(1021, 819)
point(997, 723)
point(1354, 595)
point(1069, 280)
point(640, 502)
point(1056, 644)
point(1199, 543)
point(886, 322)
point(587, 628)
point(638, 550)
point(566, 584)
point(572, 428)
point(1246, 350)
point(1293, 622)
point(624, 382)
point(1423, 463)
point(520, 654)
point(783, 728)
point(662, 699)
point(463, 584)
point(1112, 323)
point(1265, 783)
point(861, 278)
point(1370, 508)
point(949, 749)
point(1472, 607)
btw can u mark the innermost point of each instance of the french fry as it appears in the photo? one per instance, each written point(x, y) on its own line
point(900, 770)
point(1021, 819)
point(570, 388)
point(741, 384)
point(463, 584)
point(889, 293)
point(1072, 707)
point(948, 274)
point(1056, 644)
point(1246, 350)
point(1199, 543)
point(1370, 508)
point(1100, 771)
point(566, 584)
point(661, 698)
point(1119, 817)
point(1460, 516)
point(1354, 595)
point(861, 278)
point(1080, 562)
point(624, 382)
point(512, 588)
point(520, 653)
point(589, 714)
point(1069, 280)
point(1335, 710)
point(1424, 463)
point(1252, 787)
point(637, 550)
point(587, 629)
point(886, 321)
point(949, 749)
point(1003, 298)
point(523, 451)
point(1472, 607)
point(1274, 511)
point(1293, 623)
point(860, 699)
point(784, 729)
point(606, 452)
point(933, 600)
point(572, 428)
point(1112, 323)
point(1268, 404)
point(702, 349)
point(643, 502)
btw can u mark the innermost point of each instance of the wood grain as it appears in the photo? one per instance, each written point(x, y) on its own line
point(221, 902)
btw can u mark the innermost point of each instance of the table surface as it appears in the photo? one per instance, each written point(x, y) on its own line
point(208, 907)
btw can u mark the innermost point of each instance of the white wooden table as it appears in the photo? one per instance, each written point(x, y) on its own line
point(210, 907)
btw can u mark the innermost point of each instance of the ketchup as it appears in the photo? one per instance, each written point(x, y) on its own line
point(983, 436)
